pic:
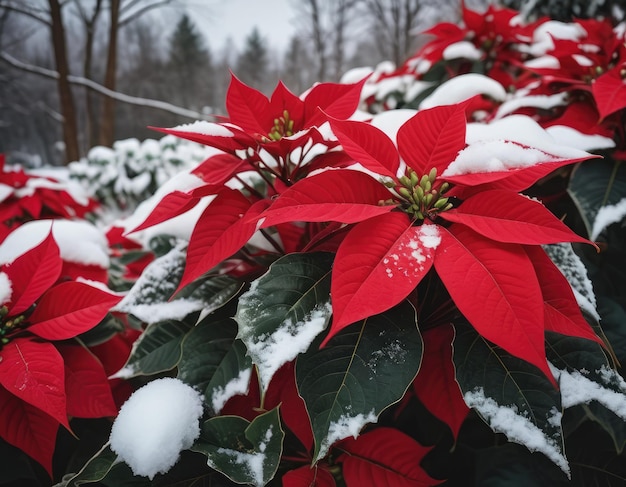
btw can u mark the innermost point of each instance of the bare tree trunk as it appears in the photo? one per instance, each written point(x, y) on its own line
point(107, 122)
point(319, 38)
point(70, 127)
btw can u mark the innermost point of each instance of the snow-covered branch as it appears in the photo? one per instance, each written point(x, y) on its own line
point(92, 85)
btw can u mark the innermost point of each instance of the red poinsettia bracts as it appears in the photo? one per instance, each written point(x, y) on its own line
point(25, 197)
point(45, 377)
point(473, 227)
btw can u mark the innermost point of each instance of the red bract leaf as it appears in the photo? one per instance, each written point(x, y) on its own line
point(284, 100)
point(248, 108)
point(33, 372)
point(283, 390)
point(69, 309)
point(510, 217)
point(609, 91)
point(562, 313)
point(432, 138)
point(340, 195)
point(368, 145)
point(337, 100)
point(435, 384)
point(494, 286)
point(28, 428)
point(218, 169)
point(86, 384)
point(383, 253)
point(31, 204)
point(32, 273)
point(384, 456)
point(223, 228)
point(308, 476)
point(225, 137)
point(172, 205)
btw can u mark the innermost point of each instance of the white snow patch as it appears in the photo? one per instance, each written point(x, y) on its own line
point(536, 101)
point(571, 137)
point(205, 128)
point(238, 385)
point(607, 215)
point(79, 241)
point(429, 236)
point(462, 49)
point(5, 288)
point(344, 427)
point(461, 88)
point(155, 424)
point(517, 428)
point(5, 191)
point(170, 310)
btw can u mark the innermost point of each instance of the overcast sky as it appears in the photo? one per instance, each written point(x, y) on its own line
point(220, 19)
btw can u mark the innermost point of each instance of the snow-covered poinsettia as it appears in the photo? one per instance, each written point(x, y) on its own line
point(25, 196)
point(47, 377)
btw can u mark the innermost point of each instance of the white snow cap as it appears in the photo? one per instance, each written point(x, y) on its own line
point(79, 241)
point(155, 424)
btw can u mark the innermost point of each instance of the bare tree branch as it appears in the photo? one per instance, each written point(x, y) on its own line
point(138, 13)
point(92, 85)
point(32, 13)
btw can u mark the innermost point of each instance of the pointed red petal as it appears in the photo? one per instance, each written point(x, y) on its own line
point(435, 384)
point(384, 456)
point(383, 253)
point(248, 108)
point(337, 100)
point(506, 216)
point(368, 145)
point(562, 313)
point(308, 476)
point(224, 227)
point(33, 372)
point(223, 136)
point(86, 384)
point(32, 273)
point(432, 138)
point(218, 169)
point(340, 195)
point(28, 428)
point(282, 99)
point(494, 286)
point(69, 309)
point(609, 91)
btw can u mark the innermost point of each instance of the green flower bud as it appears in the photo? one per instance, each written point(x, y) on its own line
point(414, 178)
point(440, 203)
point(404, 192)
point(432, 174)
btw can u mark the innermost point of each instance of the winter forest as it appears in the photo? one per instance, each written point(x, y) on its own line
point(387, 250)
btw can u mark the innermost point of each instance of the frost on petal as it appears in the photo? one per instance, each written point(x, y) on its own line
point(205, 128)
point(270, 351)
point(5, 288)
point(239, 385)
point(517, 428)
point(579, 388)
point(155, 424)
point(344, 427)
point(607, 215)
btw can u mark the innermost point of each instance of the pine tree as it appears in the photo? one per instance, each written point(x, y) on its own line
point(567, 10)
point(253, 62)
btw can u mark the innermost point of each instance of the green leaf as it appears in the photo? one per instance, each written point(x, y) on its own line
point(363, 370)
point(96, 468)
point(595, 184)
point(157, 350)
point(247, 453)
point(512, 396)
point(231, 377)
point(203, 349)
point(284, 310)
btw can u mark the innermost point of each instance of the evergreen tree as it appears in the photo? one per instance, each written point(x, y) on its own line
point(190, 67)
point(253, 62)
point(567, 10)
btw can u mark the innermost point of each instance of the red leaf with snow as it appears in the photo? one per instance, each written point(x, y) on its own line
point(609, 91)
point(224, 227)
point(172, 205)
point(308, 476)
point(432, 138)
point(494, 286)
point(505, 216)
point(225, 137)
point(383, 253)
point(562, 313)
point(435, 384)
point(32, 273)
point(218, 169)
point(283, 390)
point(28, 428)
point(86, 384)
point(337, 100)
point(33, 372)
point(384, 456)
point(248, 108)
point(340, 195)
point(69, 309)
point(368, 145)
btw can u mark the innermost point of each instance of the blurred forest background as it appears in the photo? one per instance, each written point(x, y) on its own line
point(75, 74)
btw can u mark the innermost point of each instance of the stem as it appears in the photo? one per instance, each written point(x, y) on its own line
point(272, 241)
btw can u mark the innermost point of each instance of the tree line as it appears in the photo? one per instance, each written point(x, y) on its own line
point(79, 73)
